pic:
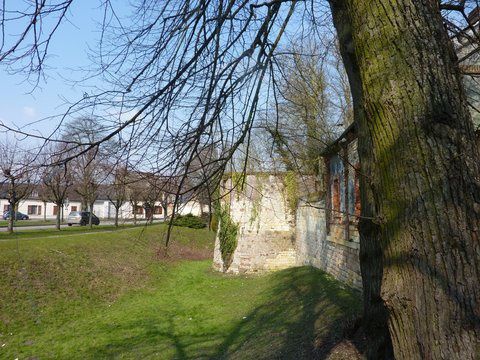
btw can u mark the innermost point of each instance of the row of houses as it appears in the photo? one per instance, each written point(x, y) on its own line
point(37, 208)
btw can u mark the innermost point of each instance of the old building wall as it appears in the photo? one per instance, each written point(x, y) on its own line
point(266, 237)
point(328, 252)
point(322, 234)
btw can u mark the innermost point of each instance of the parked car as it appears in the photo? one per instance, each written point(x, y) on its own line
point(18, 215)
point(81, 218)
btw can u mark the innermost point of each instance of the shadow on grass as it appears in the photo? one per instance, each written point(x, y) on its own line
point(303, 317)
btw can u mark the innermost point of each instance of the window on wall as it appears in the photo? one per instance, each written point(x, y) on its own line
point(336, 198)
point(357, 193)
point(73, 208)
point(138, 210)
point(158, 210)
point(55, 209)
point(34, 210)
point(6, 207)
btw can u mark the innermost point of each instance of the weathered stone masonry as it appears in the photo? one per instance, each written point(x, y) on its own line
point(322, 233)
point(266, 239)
point(326, 231)
point(316, 248)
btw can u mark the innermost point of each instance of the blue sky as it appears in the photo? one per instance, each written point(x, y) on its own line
point(68, 51)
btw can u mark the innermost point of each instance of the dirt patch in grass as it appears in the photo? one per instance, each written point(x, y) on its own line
point(344, 350)
point(350, 346)
point(177, 252)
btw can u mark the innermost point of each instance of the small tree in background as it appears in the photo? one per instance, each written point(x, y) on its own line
point(56, 182)
point(134, 193)
point(117, 191)
point(17, 172)
point(86, 168)
point(153, 193)
point(86, 172)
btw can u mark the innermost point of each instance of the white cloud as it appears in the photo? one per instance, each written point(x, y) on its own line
point(29, 111)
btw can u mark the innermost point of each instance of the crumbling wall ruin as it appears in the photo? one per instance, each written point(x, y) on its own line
point(323, 234)
point(266, 226)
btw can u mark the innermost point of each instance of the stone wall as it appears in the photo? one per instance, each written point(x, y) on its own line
point(273, 237)
point(266, 239)
point(329, 252)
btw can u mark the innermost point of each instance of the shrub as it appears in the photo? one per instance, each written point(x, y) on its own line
point(214, 222)
point(227, 236)
point(190, 221)
point(291, 189)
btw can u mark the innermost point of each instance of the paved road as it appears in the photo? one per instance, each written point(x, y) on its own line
point(52, 226)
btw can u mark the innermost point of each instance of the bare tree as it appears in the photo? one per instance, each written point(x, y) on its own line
point(87, 181)
point(203, 179)
point(117, 190)
point(304, 117)
point(135, 192)
point(165, 201)
point(151, 195)
point(87, 168)
point(43, 194)
point(57, 181)
point(17, 173)
point(167, 89)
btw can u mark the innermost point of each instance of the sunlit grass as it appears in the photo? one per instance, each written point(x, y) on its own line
point(108, 295)
point(26, 233)
point(22, 223)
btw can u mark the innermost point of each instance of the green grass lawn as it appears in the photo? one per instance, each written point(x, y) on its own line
point(111, 295)
point(22, 223)
point(66, 231)
point(39, 222)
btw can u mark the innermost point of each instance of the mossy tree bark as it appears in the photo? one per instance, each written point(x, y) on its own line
point(420, 252)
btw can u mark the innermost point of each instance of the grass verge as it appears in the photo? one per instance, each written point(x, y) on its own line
point(64, 232)
point(25, 223)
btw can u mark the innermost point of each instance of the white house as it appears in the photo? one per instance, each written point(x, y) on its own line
point(36, 208)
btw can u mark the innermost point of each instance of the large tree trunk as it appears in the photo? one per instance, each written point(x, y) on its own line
point(420, 253)
point(375, 315)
